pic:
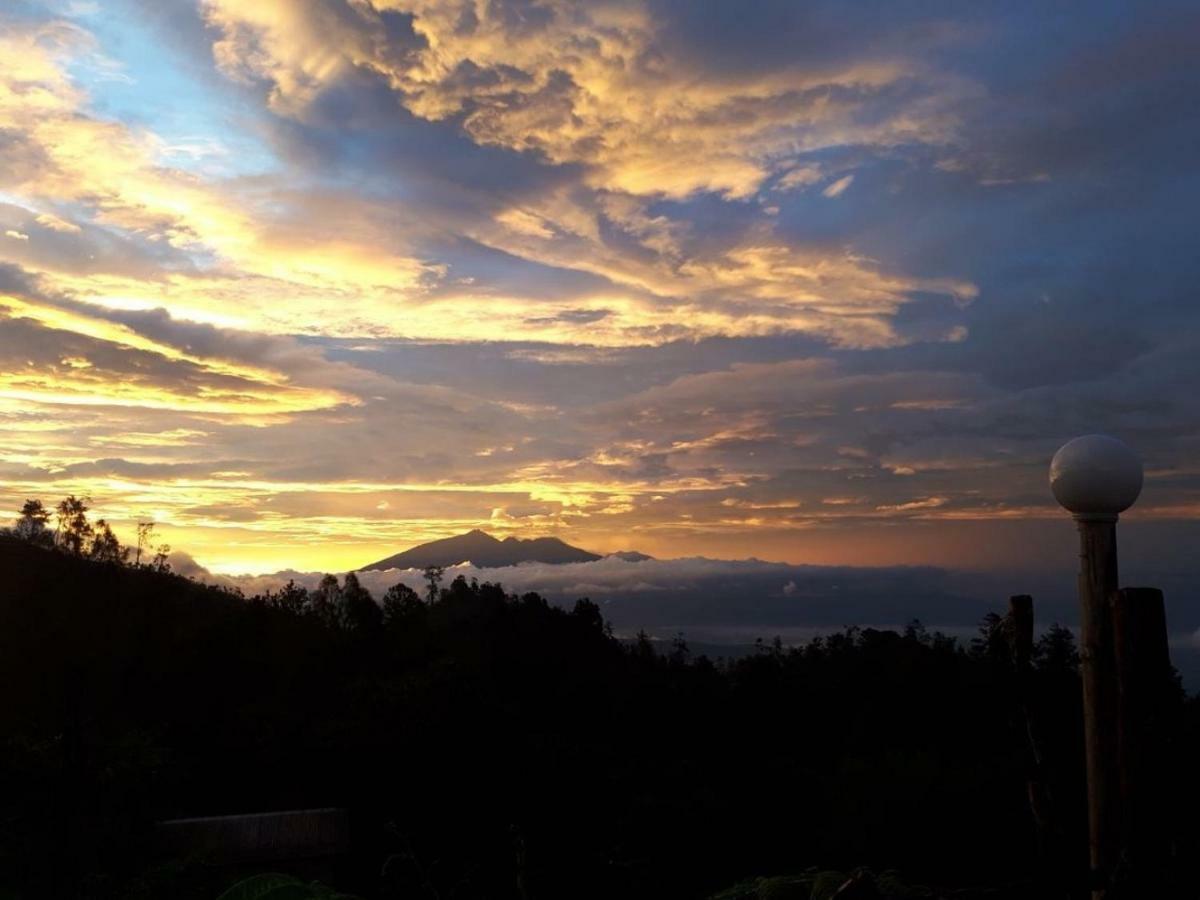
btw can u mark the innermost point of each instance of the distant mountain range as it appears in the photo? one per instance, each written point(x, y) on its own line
point(486, 552)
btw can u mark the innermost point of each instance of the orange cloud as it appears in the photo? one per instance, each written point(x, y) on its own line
point(582, 84)
point(159, 375)
point(262, 255)
point(67, 157)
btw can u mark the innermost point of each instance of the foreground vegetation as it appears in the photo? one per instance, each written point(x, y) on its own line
point(495, 746)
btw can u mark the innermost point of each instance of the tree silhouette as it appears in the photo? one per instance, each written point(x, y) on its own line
point(75, 534)
point(589, 613)
point(992, 641)
point(33, 523)
point(105, 546)
point(400, 604)
point(324, 601)
point(160, 562)
point(145, 534)
point(1056, 650)
point(291, 599)
point(433, 577)
point(74, 529)
point(359, 611)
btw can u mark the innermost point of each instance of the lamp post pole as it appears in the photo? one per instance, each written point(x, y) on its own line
point(1096, 478)
point(1098, 580)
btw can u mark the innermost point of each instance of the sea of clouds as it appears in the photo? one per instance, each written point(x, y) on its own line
point(707, 599)
point(722, 605)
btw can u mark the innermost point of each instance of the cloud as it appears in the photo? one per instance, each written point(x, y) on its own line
point(712, 594)
point(799, 177)
point(226, 246)
point(292, 255)
point(623, 117)
point(60, 354)
point(837, 187)
point(719, 605)
point(394, 271)
point(594, 85)
point(673, 288)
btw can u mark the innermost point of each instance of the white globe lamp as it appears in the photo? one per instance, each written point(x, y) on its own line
point(1096, 477)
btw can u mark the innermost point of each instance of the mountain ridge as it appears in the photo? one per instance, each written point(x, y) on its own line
point(483, 551)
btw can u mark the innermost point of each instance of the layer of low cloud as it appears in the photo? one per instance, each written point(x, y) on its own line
point(698, 593)
point(722, 607)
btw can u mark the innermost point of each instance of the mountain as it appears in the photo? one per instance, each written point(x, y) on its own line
point(631, 556)
point(485, 552)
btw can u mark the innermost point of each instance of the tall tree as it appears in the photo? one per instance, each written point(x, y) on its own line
point(74, 529)
point(145, 534)
point(359, 611)
point(433, 578)
point(33, 523)
point(105, 546)
point(324, 601)
point(160, 562)
point(291, 598)
point(401, 603)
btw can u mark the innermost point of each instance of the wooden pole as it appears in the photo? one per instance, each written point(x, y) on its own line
point(1144, 680)
point(1020, 615)
point(1041, 805)
point(1098, 581)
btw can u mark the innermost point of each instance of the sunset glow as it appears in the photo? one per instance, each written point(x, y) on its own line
point(305, 282)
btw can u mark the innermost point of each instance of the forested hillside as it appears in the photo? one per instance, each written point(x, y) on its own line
point(494, 746)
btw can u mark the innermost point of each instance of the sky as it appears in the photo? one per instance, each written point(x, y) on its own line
point(306, 282)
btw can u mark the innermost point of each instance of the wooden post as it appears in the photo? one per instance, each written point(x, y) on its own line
point(1041, 805)
point(1144, 680)
point(1020, 615)
point(1098, 581)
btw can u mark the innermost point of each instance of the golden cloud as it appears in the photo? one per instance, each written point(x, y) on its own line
point(262, 255)
point(158, 375)
point(588, 84)
point(67, 157)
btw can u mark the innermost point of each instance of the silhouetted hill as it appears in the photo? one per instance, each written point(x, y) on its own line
point(84, 606)
point(624, 770)
point(485, 552)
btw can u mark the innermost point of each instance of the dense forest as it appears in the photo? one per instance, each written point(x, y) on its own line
point(488, 745)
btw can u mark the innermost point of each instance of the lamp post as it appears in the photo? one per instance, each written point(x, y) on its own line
point(1097, 478)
